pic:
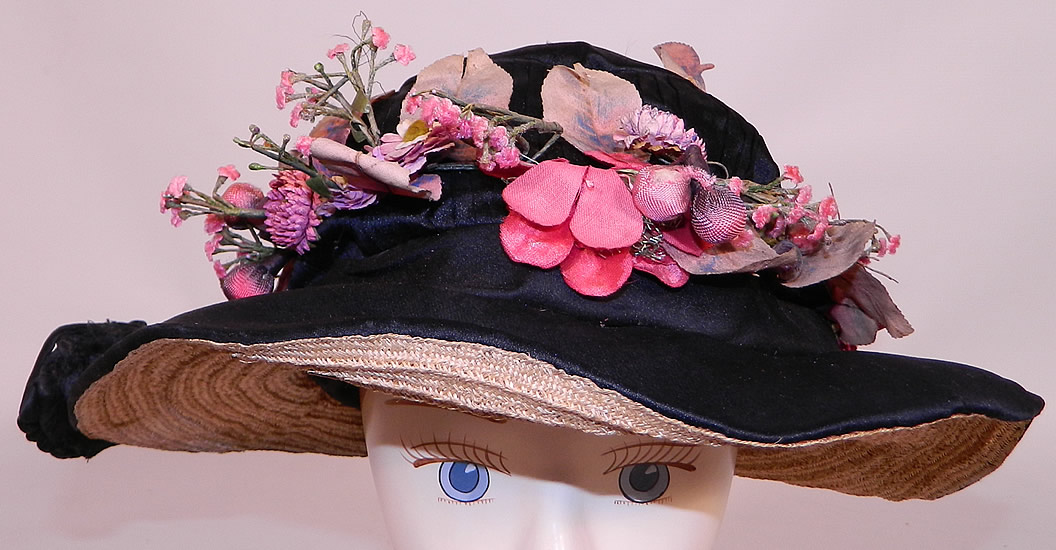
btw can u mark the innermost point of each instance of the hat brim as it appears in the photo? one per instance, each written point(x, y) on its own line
point(238, 376)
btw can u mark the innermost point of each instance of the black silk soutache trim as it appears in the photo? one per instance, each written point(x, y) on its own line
point(44, 413)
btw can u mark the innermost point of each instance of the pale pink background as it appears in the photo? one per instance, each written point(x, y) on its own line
point(936, 118)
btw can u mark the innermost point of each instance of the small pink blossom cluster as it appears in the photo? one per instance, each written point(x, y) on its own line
point(171, 199)
point(888, 246)
point(285, 89)
point(444, 123)
point(796, 218)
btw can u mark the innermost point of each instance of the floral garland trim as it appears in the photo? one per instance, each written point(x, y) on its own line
point(661, 207)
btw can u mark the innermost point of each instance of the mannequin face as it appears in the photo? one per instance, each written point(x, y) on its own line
point(448, 480)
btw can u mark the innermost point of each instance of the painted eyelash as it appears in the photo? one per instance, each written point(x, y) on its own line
point(447, 450)
point(668, 454)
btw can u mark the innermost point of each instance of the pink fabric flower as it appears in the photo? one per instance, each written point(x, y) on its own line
point(581, 218)
point(337, 50)
point(379, 38)
point(508, 157)
point(403, 54)
point(229, 172)
point(763, 215)
point(736, 185)
point(219, 270)
point(284, 89)
point(173, 192)
point(792, 174)
point(291, 211)
point(211, 245)
point(413, 103)
point(827, 209)
point(893, 245)
point(304, 145)
point(286, 80)
point(743, 240)
point(804, 195)
point(295, 114)
point(213, 223)
point(280, 98)
point(881, 249)
point(411, 143)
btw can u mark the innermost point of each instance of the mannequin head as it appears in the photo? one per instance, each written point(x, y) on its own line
point(449, 480)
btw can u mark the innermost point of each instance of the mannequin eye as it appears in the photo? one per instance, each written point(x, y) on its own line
point(644, 482)
point(463, 481)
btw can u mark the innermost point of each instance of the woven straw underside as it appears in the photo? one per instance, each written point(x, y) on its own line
point(195, 395)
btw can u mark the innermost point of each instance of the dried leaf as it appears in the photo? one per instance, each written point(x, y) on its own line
point(473, 78)
point(843, 246)
point(871, 297)
point(589, 105)
point(726, 259)
point(683, 60)
point(367, 172)
point(856, 328)
point(333, 128)
point(318, 184)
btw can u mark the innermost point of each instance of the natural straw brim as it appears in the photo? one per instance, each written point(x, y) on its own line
point(198, 395)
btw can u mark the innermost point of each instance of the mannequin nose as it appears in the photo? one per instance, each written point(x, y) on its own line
point(558, 520)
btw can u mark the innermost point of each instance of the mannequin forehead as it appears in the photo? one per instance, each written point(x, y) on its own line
point(524, 448)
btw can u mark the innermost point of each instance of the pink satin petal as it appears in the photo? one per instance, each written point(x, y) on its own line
point(666, 270)
point(545, 193)
point(592, 274)
point(529, 243)
point(619, 161)
point(682, 238)
point(605, 215)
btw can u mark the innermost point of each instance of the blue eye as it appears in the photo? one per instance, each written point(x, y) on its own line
point(644, 482)
point(463, 481)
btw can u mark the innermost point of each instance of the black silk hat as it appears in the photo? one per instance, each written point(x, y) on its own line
point(429, 300)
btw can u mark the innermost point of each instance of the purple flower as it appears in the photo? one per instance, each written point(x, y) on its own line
point(351, 198)
point(291, 211)
point(651, 128)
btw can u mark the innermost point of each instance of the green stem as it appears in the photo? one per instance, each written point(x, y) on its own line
point(281, 157)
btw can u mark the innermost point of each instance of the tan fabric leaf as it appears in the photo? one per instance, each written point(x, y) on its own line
point(843, 246)
point(726, 259)
point(589, 105)
point(856, 328)
point(871, 297)
point(473, 78)
point(683, 60)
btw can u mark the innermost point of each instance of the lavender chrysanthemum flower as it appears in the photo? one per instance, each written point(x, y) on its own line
point(291, 211)
point(651, 128)
point(352, 199)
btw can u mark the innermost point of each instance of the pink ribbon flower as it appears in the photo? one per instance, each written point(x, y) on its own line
point(581, 218)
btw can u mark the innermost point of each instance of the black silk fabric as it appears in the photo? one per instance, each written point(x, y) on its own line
point(738, 354)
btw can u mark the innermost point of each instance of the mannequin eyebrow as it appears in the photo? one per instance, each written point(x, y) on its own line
point(399, 401)
point(437, 449)
point(669, 454)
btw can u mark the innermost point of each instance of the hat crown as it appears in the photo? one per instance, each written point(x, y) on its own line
point(453, 243)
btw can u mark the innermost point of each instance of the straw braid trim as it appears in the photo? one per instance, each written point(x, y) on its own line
point(223, 397)
point(185, 396)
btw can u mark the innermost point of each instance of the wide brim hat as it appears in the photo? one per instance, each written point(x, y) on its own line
point(418, 299)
